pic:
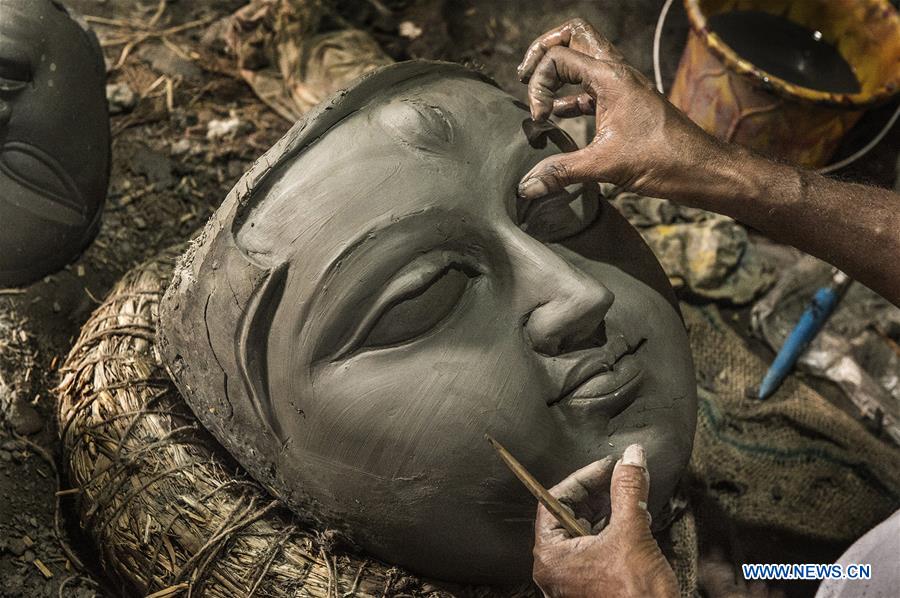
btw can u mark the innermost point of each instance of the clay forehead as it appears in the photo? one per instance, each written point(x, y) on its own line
point(467, 98)
point(430, 144)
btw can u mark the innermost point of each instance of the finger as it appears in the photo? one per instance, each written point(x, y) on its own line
point(561, 170)
point(558, 67)
point(547, 528)
point(586, 492)
point(587, 40)
point(629, 490)
point(574, 105)
point(578, 487)
point(592, 478)
point(577, 34)
point(558, 36)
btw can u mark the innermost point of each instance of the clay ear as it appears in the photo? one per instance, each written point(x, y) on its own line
point(253, 343)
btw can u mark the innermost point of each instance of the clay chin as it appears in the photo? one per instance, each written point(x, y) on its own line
point(54, 138)
point(372, 298)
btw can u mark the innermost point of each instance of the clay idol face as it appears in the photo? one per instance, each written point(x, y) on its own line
point(54, 139)
point(402, 304)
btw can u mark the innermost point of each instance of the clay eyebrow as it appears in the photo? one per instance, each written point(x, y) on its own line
point(419, 124)
point(365, 242)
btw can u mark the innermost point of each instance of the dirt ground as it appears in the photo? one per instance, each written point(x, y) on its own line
point(168, 176)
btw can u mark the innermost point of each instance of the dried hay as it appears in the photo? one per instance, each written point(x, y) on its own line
point(288, 62)
point(169, 512)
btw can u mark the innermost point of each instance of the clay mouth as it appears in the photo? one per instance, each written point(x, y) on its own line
point(47, 191)
point(606, 379)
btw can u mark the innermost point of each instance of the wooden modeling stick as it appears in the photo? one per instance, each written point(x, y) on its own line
point(565, 518)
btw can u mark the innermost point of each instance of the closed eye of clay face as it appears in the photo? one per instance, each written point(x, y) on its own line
point(408, 304)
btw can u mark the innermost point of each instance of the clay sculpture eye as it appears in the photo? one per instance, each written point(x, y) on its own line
point(415, 302)
point(15, 74)
point(412, 316)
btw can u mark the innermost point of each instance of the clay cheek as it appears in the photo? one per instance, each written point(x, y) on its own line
point(36, 126)
point(422, 398)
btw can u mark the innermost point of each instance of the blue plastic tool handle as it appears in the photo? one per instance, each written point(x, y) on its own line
point(812, 320)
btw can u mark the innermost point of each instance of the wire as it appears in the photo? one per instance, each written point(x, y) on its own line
point(657, 36)
point(865, 150)
point(657, 73)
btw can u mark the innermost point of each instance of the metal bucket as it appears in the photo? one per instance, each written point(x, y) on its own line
point(737, 101)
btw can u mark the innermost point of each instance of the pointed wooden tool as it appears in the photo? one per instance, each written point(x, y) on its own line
point(563, 515)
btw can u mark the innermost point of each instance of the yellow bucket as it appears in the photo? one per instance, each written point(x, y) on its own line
point(737, 101)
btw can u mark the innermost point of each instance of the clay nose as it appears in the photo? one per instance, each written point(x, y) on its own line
point(572, 317)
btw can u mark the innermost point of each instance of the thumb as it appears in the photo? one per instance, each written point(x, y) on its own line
point(629, 489)
point(552, 174)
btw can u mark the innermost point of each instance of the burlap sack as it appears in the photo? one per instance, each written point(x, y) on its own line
point(794, 462)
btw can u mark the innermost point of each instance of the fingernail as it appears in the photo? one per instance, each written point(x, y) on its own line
point(634, 455)
point(532, 189)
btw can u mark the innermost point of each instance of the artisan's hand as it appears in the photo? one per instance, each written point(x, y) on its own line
point(643, 143)
point(622, 560)
point(646, 145)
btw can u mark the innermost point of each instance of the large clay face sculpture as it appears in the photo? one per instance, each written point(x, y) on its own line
point(372, 299)
point(54, 138)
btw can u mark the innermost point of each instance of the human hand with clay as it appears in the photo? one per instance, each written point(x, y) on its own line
point(642, 142)
point(645, 144)
point(621, 559)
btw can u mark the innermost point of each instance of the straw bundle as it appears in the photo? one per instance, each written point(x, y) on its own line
point(170, 513)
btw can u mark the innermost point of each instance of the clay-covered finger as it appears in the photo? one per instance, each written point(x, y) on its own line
point(629, 490)
point(558, 36)
point(586, 492)
point(574, 105)
point(578, 493)
point(547, 528)
point(559, 171)
point(587, 40)
point(589, 479)
point(577, 34)
point(558, 67)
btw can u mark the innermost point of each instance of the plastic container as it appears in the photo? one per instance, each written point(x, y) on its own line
point(737, 101)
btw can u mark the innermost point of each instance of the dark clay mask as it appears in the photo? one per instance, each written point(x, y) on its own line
point(54, 138)
point(372, 299)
